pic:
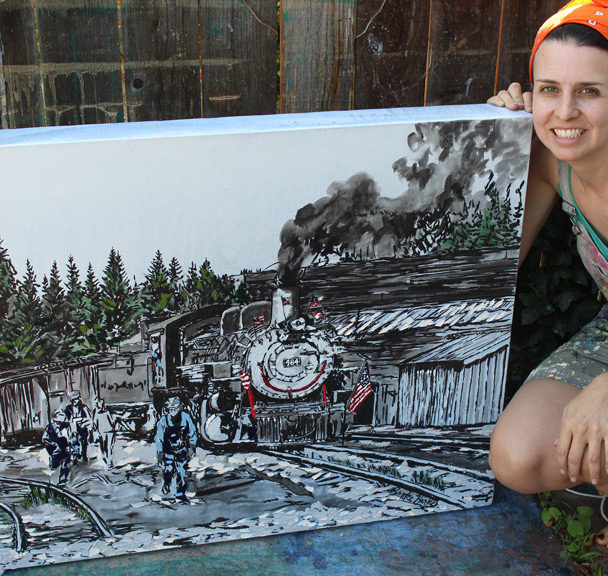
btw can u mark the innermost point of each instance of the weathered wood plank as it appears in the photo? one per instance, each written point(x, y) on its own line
point(243, 33)
point(83, 35)
point(23, 95)
point(463, 51)
point(317, 55)
point(390, 53)
point(162, 59)
point(521, 21)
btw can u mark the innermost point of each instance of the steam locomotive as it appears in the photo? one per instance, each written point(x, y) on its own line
point(261, 373)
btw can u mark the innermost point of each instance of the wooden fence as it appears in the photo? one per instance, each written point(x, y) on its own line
point(92, 61)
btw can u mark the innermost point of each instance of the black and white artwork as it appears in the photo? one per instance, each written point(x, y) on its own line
point(230, 328)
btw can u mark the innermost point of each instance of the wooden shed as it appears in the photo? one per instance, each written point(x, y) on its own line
point(461, 381)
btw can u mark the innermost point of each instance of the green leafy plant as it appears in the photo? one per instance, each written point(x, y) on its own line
point(573, 528)
point(555, 298)
point(39, 496)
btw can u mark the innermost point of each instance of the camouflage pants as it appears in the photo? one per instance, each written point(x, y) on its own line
point(582, 358)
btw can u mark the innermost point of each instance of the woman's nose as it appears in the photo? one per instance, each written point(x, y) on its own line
point(567, 108)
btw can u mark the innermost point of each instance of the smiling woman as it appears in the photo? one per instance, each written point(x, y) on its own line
point(554, 433)
point(571, 102)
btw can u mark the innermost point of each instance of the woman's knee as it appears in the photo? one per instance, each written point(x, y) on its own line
point(522, 454)
point(515, 462)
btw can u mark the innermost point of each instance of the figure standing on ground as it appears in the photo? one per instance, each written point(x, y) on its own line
point(103, 423)
point(79, 418)
point(175, 441)
point(57, 439)
point(554, 432)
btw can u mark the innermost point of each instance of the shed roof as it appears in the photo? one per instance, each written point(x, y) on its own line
point(465, 349)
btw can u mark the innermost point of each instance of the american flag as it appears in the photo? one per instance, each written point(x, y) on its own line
point(362, 390)
point(285, 300)
point(258, 320)
point(246, 383)
point(315, 302)
point(245, 379)
point(317, 315)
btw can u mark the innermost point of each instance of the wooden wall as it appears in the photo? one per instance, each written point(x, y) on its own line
point(92, 61)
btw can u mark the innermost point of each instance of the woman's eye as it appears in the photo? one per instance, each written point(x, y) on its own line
point(548, 89)
point(589, 91)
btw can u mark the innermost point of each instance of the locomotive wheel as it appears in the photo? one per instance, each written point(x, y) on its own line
point(214, 432)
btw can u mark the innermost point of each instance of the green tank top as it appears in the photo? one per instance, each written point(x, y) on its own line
point(591, 248)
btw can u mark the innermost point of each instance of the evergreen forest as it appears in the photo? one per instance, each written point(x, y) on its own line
point(53, 320)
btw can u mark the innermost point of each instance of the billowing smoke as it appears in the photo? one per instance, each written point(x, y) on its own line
point(451, 160)
point(335, 223)
point(447, 164)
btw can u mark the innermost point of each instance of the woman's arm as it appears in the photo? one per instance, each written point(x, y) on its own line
point(541, 194)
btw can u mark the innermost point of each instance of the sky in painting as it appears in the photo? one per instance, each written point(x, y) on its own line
point(223, 198)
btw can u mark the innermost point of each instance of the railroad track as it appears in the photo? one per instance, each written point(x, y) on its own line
point(36, 521)
point(371, 473)
point(411, 461)
point(424, 441)
point(15, 536)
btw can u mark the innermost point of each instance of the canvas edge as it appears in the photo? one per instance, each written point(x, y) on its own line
point(254, 124)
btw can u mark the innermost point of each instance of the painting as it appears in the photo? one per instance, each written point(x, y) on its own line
point(227, 328)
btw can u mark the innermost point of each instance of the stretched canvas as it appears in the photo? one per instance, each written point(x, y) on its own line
point(227, 328)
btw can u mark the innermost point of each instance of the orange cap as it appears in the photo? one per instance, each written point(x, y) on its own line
point(592, 13)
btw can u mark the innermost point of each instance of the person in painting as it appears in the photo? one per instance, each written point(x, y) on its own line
point(554, 432)
point(104, 426)
point(149, 426)
point(57, 441)
point(175, 441)
point(79, 418)
point(156, 359)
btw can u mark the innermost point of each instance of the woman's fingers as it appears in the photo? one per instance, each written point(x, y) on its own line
point(571, 450)
point(513, 98)
point(594, 460)
point(563, 448)
point(575, 458)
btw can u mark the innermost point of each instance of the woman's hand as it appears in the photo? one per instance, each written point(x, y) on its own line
point(584, 428)
point(513, 98)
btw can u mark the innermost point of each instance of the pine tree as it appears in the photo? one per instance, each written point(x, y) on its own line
point(7, 281)
point(28, 307)
point(93, 331)
point(75, 309)
point(23, 343)
point(7, 293)
point(120, 309)
point(157, 292)
point(241, 296)
point(208, 285)
point(175, 280)
point(191, 289)
point(54, 317)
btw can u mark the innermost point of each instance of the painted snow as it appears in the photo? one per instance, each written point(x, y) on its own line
point(232, 328)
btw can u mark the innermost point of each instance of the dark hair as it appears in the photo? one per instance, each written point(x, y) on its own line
point(580, 34)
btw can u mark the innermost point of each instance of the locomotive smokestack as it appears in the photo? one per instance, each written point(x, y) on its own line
point(284, 304)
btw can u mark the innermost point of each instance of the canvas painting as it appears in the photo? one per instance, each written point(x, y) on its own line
point(229, 328)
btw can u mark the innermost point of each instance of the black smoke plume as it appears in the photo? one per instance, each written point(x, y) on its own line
point(447, 164)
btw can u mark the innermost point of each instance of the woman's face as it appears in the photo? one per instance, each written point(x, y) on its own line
point(570, 104)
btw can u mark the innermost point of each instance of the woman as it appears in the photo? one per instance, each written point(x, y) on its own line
point(554, 432)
